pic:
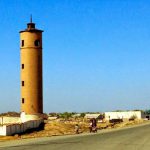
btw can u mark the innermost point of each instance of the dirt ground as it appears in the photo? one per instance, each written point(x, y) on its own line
point(57, 128)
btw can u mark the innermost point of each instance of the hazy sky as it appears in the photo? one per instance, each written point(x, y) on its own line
point(96, 53)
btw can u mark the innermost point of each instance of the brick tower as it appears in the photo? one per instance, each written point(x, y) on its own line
point(31, 70)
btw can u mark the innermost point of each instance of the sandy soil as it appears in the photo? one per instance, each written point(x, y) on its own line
point(57, 128)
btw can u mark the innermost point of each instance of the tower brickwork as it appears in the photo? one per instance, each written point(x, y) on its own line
point(31, 70)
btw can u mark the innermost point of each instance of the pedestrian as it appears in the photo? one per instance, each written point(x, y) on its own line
point(77, 129)
point(94, 125)
point(90, 126)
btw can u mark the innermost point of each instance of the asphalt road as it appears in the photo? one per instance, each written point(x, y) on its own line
point(137, 138)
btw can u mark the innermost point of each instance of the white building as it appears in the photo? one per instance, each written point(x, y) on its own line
point(124, 115)
point(91, 116)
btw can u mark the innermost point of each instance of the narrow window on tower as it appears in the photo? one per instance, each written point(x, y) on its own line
point(22, 66)
point(22, 83)
point(37, 42)
point(22, 100)
point(22, 43)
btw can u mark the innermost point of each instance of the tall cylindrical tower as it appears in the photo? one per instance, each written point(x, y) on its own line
point(31, 70)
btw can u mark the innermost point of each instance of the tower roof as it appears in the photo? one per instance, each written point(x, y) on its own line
point(31, 27)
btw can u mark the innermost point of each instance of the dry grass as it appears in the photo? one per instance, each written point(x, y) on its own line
point(4, 138)
point(129, 123)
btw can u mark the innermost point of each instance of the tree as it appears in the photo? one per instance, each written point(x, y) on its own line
point(66, 115)
point(147, 111)
point(82, 115)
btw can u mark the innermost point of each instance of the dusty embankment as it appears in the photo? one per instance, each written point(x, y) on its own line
point(56, 128)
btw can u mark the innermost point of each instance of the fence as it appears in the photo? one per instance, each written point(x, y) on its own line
point(11, 129)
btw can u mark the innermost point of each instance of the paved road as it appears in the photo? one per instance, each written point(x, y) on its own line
point(137, 138)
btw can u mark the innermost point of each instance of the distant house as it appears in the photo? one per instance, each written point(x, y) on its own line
point(52, 118)
point(146, 115)
point(91, 116)
point(76, 115)
point(124, 115)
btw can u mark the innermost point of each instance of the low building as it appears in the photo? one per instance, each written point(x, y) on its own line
point(52, 118)
point(124, 115)
point(76, 115)
point(91, 116)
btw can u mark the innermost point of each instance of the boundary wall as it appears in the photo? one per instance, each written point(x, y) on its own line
point(7, 130)
point(9, 120)
point(123, 115)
